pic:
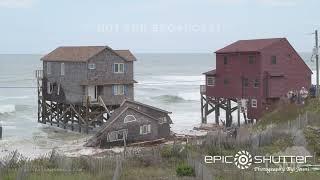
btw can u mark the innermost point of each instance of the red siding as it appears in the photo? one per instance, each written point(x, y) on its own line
point(289, 73)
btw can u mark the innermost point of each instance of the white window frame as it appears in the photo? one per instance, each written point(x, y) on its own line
point(254, 103)
point(58, 91)
point(213, 81)
point(126, 119)
point(117, 89)
point(62, 69)
point(118, 70)
point(49, 68)
point(163, 120)
point(92, 66)
point(113, 135)
point(49, 87)
point(145, 129)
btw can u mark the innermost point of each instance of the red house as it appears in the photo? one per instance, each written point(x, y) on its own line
point(262, 71)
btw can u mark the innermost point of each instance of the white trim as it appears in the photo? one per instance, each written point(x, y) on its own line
point(91, 66)
point(113, 135)
point(126, 119)
point(58, 91)
point(254, 103)
point(49, 87)
point(49, 68)
point(213, 79)
point(119, 70)
point(119, 89)
point(163, 120)
point(145, 129)
point(62, 69)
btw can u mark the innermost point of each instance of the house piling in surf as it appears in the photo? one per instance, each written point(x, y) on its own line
point(79, 87)
point(84, 87)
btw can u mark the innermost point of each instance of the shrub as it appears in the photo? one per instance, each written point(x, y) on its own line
point(173, 152)
point(185, 170)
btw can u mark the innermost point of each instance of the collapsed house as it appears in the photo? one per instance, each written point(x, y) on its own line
point(133, 122)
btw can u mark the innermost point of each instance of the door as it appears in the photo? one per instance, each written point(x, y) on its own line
point(93, 93)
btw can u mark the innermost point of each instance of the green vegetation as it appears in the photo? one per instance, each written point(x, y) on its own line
point(313, 138)
point(287, 112)
point(185, 170)
point(277, 145)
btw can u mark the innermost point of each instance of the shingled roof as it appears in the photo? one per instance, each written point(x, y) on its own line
point(83, 53)
point(254, 45)
point(212, 72)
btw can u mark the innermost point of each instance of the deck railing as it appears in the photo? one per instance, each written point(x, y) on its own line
point(39, 74)
point(203, 89)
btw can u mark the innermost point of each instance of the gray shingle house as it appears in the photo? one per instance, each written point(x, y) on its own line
point(133, 122)
point(73, 73)
point(79, 85)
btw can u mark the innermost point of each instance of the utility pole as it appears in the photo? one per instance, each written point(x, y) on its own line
point(317, 61)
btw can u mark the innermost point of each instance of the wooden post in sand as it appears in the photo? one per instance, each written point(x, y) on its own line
point(0, 132)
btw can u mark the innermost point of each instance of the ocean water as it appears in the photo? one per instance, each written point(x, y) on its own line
point(168, 81)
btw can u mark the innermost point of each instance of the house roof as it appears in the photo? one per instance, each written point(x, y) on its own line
point(83, 53)
point(212, 72)
point(102, 132)
point(126, 54)
point(254, 45)
point(145, 105)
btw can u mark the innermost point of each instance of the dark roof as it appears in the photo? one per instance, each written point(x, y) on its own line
point(120, 81)
point(83, 53)
point(145, 105)
point(254, 45)
point(212, 72)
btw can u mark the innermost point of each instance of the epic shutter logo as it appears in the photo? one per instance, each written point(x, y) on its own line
point(243, 159)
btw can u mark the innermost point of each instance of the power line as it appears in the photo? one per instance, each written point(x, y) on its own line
point(17, 87)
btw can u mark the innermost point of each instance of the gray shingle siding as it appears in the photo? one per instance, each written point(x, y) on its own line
point(77, 72)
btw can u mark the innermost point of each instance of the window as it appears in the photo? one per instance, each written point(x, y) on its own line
point(91, 66)
point(62, 69)
point(129, 118)
point(225, 60)
point(118, 68)
point(210, 81)
point(58, 91)
point(49, 87)
point(225, 81)
point(254, 103)
point(118, 89)
point(145, 129)
point(49, 68)
point(163, 120)
point(256, 83)
point(117, 135)
point(251, 59)
point(273, 59)
point(245, 82)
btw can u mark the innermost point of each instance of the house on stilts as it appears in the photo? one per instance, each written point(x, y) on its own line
point(79, 87)
point(252, 76)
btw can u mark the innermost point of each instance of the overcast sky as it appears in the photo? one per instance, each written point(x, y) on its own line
point(38, 26)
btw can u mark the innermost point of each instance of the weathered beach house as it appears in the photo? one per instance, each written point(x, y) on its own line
point(93, 86)
point(256, 74)
point(80, 84)
point(133, 122)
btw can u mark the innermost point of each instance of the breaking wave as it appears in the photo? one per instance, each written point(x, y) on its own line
point(7, 108)
point(172, 99)
point(15, 97)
